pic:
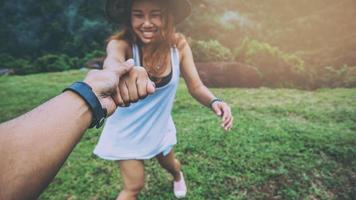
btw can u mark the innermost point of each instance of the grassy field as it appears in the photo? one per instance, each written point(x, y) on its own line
point(286, 144)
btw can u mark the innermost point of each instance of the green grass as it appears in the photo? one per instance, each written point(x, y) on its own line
point(286, 144)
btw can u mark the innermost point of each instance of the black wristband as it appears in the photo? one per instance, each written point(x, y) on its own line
point(213, 101)
point(87, 94)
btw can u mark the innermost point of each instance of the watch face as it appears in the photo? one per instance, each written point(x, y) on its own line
point(101, 122)
point(105, 111)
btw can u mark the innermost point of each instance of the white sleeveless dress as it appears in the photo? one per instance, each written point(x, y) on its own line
point(145, 128)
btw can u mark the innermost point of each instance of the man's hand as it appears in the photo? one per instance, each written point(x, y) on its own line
point(105, 84)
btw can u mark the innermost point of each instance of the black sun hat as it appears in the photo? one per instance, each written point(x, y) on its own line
point(117, 10)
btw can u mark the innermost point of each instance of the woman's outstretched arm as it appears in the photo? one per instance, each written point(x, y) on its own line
point(199, 91)
point(133, 86)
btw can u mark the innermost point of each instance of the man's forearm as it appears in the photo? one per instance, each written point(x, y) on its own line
point(31, 167)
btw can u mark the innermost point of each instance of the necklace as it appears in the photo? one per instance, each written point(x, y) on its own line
point(159, 65)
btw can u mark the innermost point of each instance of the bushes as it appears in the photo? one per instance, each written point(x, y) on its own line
point(276, 67)
point(94, 54)
point(46, 63)
point(53, 63)
point(20, 65)
point(212, 50)
point(344, 76)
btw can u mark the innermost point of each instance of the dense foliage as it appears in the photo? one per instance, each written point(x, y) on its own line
point(275, 66)
point(210, 50)
point(279, 37)
point(36, 27)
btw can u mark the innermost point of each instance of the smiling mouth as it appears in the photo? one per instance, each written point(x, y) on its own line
point(148, 34)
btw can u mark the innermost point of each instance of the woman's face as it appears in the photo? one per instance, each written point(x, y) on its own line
point(146, 20)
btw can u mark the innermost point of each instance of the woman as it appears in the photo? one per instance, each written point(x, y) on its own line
point(145, 129)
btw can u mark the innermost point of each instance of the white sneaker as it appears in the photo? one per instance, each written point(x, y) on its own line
point(179, 187)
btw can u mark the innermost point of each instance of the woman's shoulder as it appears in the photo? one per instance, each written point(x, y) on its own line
point(181, 41)
point(119, 43)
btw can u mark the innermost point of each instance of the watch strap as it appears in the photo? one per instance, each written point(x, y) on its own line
point(87, 94)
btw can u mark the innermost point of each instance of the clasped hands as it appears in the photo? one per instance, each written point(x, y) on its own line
point(120, 85)
point(123, 84)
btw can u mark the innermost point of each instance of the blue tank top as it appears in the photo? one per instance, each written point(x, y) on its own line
point(145, 128)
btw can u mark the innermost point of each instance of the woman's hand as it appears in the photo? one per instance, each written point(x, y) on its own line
point(223, 110)
point(134, 85)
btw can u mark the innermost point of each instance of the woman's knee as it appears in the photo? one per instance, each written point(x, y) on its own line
point(135, 187)
point(133, 175)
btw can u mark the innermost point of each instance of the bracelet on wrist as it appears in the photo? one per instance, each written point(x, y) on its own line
point(213, 101)
point(86, 93)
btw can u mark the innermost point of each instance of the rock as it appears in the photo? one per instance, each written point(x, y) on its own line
point(6, 72)
point(96, 63)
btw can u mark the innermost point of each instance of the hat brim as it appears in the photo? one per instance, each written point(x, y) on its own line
point(116, 10)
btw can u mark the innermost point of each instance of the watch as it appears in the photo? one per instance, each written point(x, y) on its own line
point(213, 101)
point(86, 93)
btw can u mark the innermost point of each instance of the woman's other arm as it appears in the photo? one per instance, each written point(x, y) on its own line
point(198, 90)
